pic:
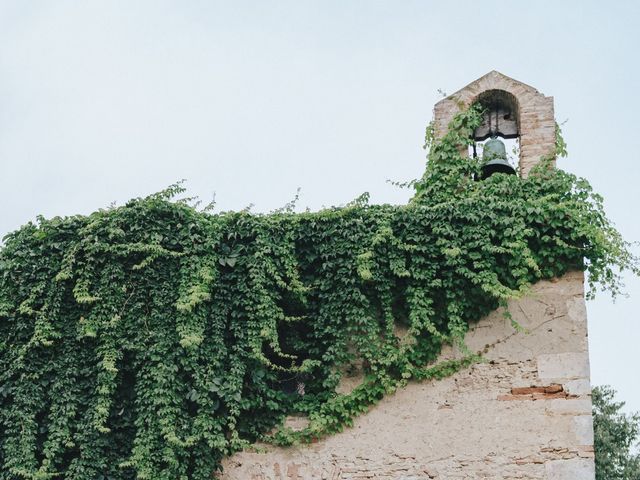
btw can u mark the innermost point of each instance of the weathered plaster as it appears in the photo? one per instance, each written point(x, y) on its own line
point(524, 414)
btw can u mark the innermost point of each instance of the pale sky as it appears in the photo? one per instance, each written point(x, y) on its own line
point(102, 101)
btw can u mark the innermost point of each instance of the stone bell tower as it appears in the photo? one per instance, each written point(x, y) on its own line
point(525, 413)
point(513, 110)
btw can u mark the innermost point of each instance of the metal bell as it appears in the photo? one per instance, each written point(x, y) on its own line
point(494, 155)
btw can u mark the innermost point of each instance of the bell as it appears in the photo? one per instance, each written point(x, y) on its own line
point(495, 156)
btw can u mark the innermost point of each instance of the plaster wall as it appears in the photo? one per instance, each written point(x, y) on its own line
point(523, 414)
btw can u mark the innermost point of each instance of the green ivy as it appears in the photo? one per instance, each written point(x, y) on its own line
point(151, 340)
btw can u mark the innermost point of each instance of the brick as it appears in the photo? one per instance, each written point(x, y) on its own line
point(553, 388)
point(536, 115)
point(549, 396)
point(527, 390)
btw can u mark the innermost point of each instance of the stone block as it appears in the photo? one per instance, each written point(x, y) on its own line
point(569, 406)
point(578, 387)
point(555, 366)
point(571, 469)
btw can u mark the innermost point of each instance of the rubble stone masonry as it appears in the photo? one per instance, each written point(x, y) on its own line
point(525, 413)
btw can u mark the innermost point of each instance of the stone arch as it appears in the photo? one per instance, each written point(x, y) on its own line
point(508, 118)
point(535, 116)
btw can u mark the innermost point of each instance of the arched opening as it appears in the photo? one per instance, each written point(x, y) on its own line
point(501, 120)
point(501, 115)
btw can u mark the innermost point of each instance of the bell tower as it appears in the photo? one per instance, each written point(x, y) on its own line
point(525, 412)
point(513, 110)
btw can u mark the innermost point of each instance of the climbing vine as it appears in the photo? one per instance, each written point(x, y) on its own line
point(151, 340)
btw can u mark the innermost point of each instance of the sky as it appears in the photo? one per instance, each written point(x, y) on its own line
point(248, 101)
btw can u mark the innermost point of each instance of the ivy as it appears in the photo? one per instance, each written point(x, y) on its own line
point(152, 340)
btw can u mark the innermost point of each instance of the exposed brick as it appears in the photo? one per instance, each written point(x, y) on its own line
point(527, 390)
point(549, 396)
point(536, 115)
point(553, 388)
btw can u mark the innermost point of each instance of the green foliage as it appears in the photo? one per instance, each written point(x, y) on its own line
point(561, 145)
point(614, 436)
point(149, 341)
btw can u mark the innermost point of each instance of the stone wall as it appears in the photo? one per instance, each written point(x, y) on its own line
point(536, 119)
point(524, 414)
